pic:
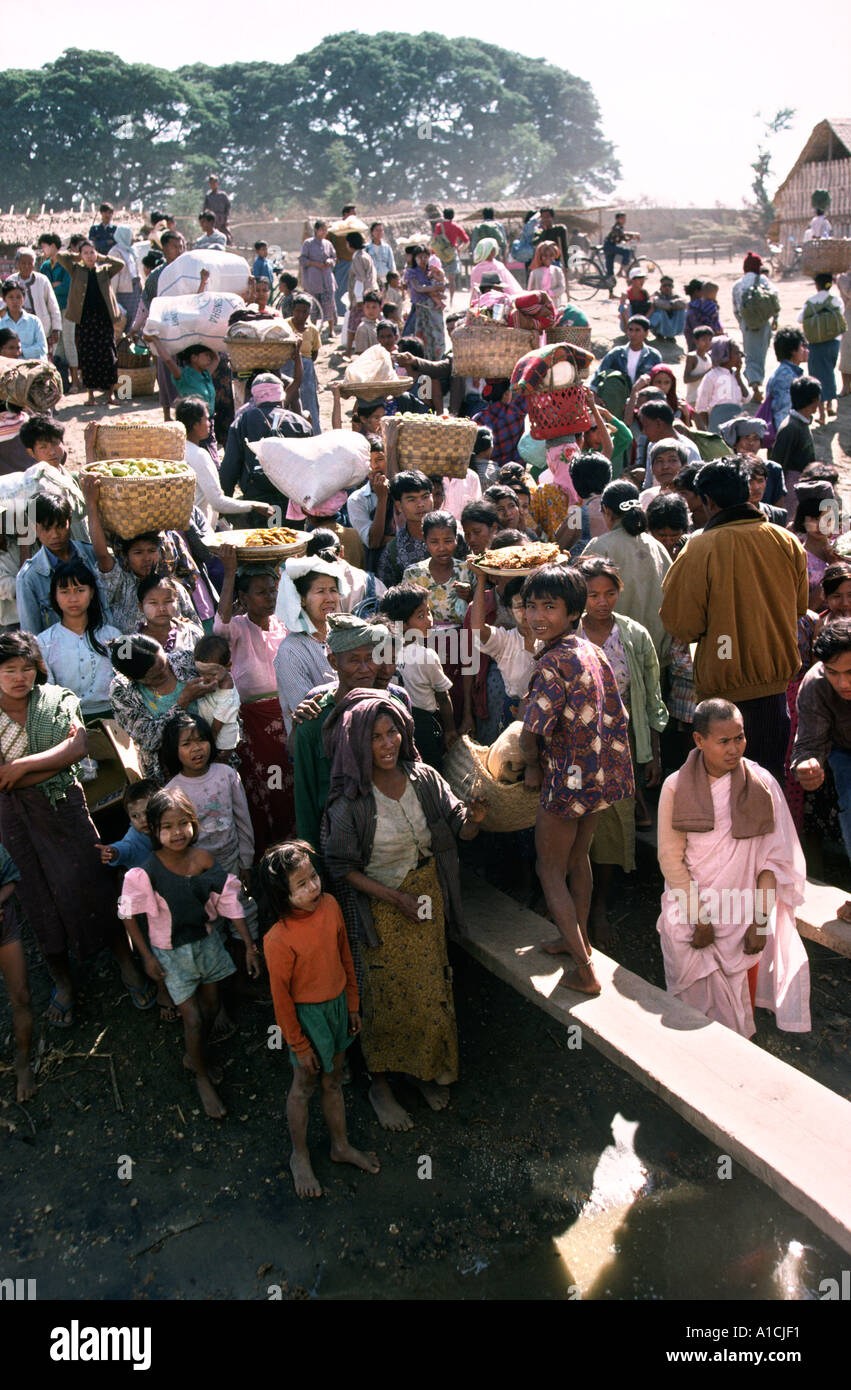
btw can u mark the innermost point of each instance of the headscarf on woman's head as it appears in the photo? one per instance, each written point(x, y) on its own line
point(670, 395)
point(752, 262)
point(719, 350)
point(289, 608)
point(741, 425)
point(124, 236)
point(267, 387)
point(347, 740)
point(484, 248)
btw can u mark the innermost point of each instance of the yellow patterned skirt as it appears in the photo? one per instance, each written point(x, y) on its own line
point(408, 1009)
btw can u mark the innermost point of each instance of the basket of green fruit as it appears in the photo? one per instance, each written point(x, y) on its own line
point(137, 495)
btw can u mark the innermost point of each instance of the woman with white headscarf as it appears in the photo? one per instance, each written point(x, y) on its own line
point(128, 286)
point(485, 260)
point(308, 593)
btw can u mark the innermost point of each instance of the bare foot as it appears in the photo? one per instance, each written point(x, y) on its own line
point(555, 948)
point(223, 1027)
point(306, 1181)
point(210, 1098)
point(215, 1073)
point(582, 980)
point(390, 1113)
point(346, 1154)
point(436, 1097)
point(26, 1080)
point(604, 934)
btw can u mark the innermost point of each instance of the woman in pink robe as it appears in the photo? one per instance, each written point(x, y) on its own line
point(712, 876)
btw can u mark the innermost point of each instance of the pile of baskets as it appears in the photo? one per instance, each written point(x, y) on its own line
point(435, 445)
point(549, 379)
point(137, 372)
point(510, 805)
point(826, 255)
point(487, 349)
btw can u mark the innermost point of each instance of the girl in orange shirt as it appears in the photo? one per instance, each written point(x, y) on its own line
point(316, 1001)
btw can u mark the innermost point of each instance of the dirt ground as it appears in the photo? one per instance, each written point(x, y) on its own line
point(527, 1190)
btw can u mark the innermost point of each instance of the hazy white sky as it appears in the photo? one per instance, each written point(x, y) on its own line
point(675, 150)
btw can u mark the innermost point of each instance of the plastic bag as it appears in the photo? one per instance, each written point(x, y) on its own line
point(191, 318)
point(375, 364)
point(229, 274)
point(309, 471)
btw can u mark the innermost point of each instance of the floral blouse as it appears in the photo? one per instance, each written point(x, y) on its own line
point(144, 717)
point(443, 599)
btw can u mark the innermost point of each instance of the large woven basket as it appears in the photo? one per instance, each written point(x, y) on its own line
point(129, 358)
point(129, 506)
point(826, 255)
point(489, 349)
point(249, 354)
point(138, 439)
point(439, 448)
point(511, 806)
point(577, 334)
point(136, 381)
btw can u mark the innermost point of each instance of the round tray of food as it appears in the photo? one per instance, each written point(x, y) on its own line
point(513, 560)
point(260, 545)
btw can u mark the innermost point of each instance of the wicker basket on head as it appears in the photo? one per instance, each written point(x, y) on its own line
point(249, 354)
point(137, 381)
point(129, 506)
point(487, 349)
point(437, 447)
point(577, 334)
point(139, 439)
point(511, 806)
point(826, 255)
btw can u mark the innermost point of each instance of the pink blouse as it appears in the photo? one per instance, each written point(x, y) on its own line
point(253, 653)
point(139, 896)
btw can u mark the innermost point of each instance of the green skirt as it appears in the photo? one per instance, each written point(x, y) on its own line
point(327, 1026)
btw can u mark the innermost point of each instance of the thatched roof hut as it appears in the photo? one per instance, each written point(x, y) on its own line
point(824, 163)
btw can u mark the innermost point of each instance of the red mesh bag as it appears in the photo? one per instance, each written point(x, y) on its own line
point(553, 413)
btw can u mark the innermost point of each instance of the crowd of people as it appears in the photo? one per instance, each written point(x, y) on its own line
point(685, 661)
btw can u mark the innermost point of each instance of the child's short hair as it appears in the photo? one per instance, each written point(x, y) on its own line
point(787, 341)
point(710, 712)
point(392, 277)
point(212, 647)
point(163, 801)
point(599, 567)
point(355, 240)
point(409, 480)
point(52, 509)
point(709, 285)
point(22, 646)
point(513, 588)
point(134, 792)
point(802, 391)
point(439, 521)
point(668, 512)
point(664, 446)
point(37, 429)
point(410, 343)
point(273, 879)
point(590, 473)
point(372, 297)
point(557, 581)
point(258, 245)
point(401, 602)
point(639, 321)
point(154, 581)
point(184, 357)
point(189, 411)
point(287, 279)
point(703, 331)
point(833, 640)
point(174, 727)
point(499, 492)
point(508, 536)
point(692, 289)
point(483, 512)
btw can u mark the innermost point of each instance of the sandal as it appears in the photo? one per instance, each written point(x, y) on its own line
point(143, 996)
point(66, 1010)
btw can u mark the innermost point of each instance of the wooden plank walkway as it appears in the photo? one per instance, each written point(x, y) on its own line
point(785, 1128)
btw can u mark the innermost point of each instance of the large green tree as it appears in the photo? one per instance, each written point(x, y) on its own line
point(395, 116)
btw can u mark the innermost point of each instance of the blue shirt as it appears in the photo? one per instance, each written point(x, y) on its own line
point(382, 258)
point(60, 280)
point(261, 269)
point(102, 237)
point(32, 587)
point(30, 332)
point(779, 392)
point(133, 850)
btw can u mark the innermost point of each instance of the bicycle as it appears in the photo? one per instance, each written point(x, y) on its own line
point(586, 269)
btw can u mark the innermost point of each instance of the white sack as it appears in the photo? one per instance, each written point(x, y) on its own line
point(229, 274)
point(309, 471)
